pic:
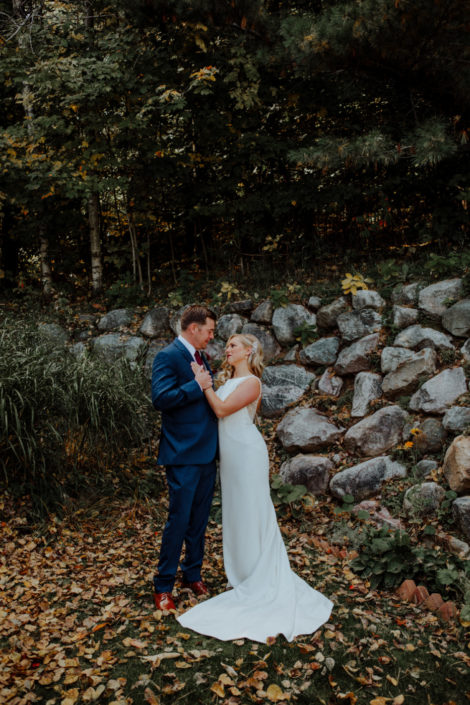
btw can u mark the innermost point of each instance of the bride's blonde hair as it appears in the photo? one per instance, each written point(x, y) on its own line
point(255, 360)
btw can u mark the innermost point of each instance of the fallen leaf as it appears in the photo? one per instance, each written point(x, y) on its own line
point(150, 697)
point(274, 693)
point(218, 689)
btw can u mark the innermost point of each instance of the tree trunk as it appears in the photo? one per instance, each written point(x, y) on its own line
point(95, 243)
point(46, 272)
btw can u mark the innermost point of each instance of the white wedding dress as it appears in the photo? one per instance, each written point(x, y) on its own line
point(267, 598)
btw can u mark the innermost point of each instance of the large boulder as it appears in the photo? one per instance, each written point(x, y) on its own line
point(404, 316)
point(357, 324)
point(118, 318)
point(365, 298)
point(53, 333)
point(215, 351)
point(366, 479)
point(423, 499)
point(305, 430)
point(405, 377)
point(330, 384)
point(461, 514)
point(457, 465)
point(457, 418)
point(377, 433)
point(434, 298)
point(457, 319)
point(465, 350)
point(229, 324)
point(283, 385)
point(271, 348)
point(313, 471)
point(288, 318)
point(263, 313)
point(243, 308)
point(327, 315)
point(439, 392)
point(392, 357)
point(406, 294)
point(367, 387)
point(156, 323)
point(419, 337)
point(355, 357)
point(154, 347)
point(432, 436)
point(113, 346)
point(321, 352)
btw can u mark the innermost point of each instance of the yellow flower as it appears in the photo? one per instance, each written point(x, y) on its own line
point(416, 432)
point(409, 444)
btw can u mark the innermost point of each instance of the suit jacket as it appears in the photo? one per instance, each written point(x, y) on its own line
point(189, 426)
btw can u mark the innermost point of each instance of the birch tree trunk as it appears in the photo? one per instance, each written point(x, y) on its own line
point(95, 243)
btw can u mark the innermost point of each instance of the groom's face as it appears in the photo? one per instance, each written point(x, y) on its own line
point(203, 334)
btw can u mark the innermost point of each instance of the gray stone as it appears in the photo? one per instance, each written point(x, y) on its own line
point(406, 294)
point(457, 418)
point(456, 465)
point(365, 298)
point(118, 318)
point(293, 375)
point(154, 347)
point(291, 355)
point(357, 324)
point(423, 499)
point(425, 467)
point(53, 333)
point(244, 308)
point(376, 433)
point(314, 303)
point(271, 348)
point(229, 324)
point(366, 479)
point(327, 315)
point(461, 514)
point(355, 358)
point(405, 377)
point(367, 387)
point(392, 357)
point(465, 350)
point(457, 319)
point(432, 436)
point(78, 349)
point(440, 391)
point(330, 384)
point(156, 323)
point(215, 351)
point(114, 346)
point(419, 337)
point(321, 352)
point(434, 298)
point(305, 430)
point(403, 316)
point(313, 471)
point(277, 398)
point(263, 313)
point(287, 319)
point(175, 319)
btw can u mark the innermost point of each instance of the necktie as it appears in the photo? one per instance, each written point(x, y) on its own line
point(198, 358)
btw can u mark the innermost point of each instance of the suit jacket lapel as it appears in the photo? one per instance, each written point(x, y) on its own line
point(184, 350)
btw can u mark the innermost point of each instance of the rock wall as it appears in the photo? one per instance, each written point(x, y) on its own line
point(383, 386)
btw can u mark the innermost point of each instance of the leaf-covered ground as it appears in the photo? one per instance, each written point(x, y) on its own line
point(77, 623)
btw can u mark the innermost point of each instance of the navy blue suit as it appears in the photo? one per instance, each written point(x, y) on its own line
point(188, 447)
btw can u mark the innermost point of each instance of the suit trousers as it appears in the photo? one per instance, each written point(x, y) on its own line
point(191, 488)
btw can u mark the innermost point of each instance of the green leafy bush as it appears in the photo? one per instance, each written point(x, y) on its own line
point(65, 420)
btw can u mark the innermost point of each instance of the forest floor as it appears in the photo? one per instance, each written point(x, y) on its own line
point(77, 623)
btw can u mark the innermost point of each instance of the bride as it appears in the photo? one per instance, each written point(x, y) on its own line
point(267, 597)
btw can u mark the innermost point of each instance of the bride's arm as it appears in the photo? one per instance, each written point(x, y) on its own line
point(246, 392)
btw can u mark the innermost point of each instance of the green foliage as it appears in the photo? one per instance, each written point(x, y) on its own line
point(279, 297)
point(306, 333)
point(285, 495)
point(388, 557)
point(65, 419)
point(125, 292)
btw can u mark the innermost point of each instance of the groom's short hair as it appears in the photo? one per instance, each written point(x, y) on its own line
point(196, 314)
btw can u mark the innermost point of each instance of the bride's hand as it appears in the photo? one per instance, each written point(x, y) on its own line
point(202, 376)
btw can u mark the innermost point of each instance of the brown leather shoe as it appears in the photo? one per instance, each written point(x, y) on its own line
point(163, 601)
point(197, 587)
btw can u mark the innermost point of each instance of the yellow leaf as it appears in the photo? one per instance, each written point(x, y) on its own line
point(218, 689)
point(399, 700)
point(392, 680)
point(225, 679)
point(71, 696)
point(379, 701)
point(410, 647)
point(274, 693)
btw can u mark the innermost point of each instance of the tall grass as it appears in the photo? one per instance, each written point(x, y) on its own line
point(65, 421)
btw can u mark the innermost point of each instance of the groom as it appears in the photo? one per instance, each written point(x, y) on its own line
point(188, 446)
